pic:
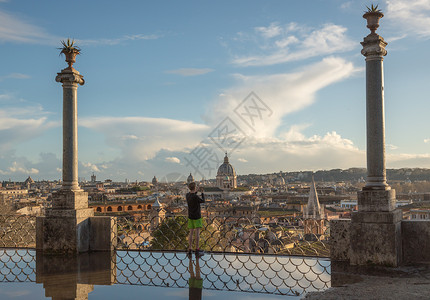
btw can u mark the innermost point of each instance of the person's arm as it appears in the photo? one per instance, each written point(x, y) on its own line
point(200, 200)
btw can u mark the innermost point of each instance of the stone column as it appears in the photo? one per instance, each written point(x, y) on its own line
point(375, 228)
point(374, 51)
point(70, 226)
point(70, 78)
point(66, 226)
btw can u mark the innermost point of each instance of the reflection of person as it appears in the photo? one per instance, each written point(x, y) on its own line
point(195, 221)
point(195, 282)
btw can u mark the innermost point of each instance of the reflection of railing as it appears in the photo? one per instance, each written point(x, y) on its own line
point(17, 231)
point(273, 274)
point(268, 235)
point(17, 265)
point(269, 274)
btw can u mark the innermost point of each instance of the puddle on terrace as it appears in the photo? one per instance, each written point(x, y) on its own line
point(159, 275)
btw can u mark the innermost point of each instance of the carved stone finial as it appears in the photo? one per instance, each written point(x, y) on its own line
point(373, 18)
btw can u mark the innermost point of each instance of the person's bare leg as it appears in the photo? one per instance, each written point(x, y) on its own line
point(190, 239)
point(197, 238)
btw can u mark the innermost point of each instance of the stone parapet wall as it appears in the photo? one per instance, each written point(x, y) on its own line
point(416, 241)
point(340, 231)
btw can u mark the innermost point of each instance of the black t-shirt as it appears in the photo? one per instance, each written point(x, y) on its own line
point(193, 201)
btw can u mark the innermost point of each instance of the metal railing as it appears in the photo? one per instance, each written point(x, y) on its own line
point(256, 235)
point(17, 231)
point(267, 274)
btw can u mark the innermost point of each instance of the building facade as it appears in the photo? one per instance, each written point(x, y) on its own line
point(226, 178)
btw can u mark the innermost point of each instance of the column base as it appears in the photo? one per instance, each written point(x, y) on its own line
point(65, 233)
point(67, 230)
point(374, 200)
point(68, 199)
point(375, 238)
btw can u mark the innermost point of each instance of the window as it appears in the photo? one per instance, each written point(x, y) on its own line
point(99, 209)
point(109, 208)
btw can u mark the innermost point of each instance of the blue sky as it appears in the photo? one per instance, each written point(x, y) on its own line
point(161, 76)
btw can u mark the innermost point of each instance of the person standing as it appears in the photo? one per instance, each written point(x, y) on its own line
point(195, 221)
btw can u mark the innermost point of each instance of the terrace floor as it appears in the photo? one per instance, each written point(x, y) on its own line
point(25, 274)
point(379, 283)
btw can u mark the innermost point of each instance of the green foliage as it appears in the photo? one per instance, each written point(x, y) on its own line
point(140, 188)
point(69, 47)
point(373, 9)
point(171, 234)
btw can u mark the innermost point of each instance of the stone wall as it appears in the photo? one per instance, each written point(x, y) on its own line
point(416, 241)
point(415, 238)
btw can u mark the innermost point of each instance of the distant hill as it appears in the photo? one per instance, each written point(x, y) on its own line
point(336, 175)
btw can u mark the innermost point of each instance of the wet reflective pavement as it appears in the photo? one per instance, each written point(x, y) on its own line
point(25, 274)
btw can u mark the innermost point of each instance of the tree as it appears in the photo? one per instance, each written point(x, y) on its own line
point(171, 234)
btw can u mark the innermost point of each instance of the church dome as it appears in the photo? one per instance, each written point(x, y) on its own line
point(190, 178)
point(226, 169)
point(280, 181)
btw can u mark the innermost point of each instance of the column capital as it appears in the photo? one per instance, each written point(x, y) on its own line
point(70, 77)
point(374, 46)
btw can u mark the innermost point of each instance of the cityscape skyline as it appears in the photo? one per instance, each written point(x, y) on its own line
point(158, 85)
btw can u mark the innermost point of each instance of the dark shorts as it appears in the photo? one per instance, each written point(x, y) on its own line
point(195, 223)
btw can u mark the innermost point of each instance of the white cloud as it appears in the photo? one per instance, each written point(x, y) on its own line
point(14, 29)
point(408, 160)
point(116, 41)
point(426, 141)
point(283, 93)
point(129, 137)
point(18, 29)
point(173, 160)
point(242, 160)
point(271, 31)
point(146, 136)
point(21, 123)
point(91, 167)
point(346, 5)
point(280, 44)
point(190, 71)
point(15, 76)
point(16, 168)
point(299, 152)
point(412, 17)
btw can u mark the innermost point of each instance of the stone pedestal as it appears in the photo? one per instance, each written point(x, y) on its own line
point(65, 227)
point(70, 226)
point(375, 238)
